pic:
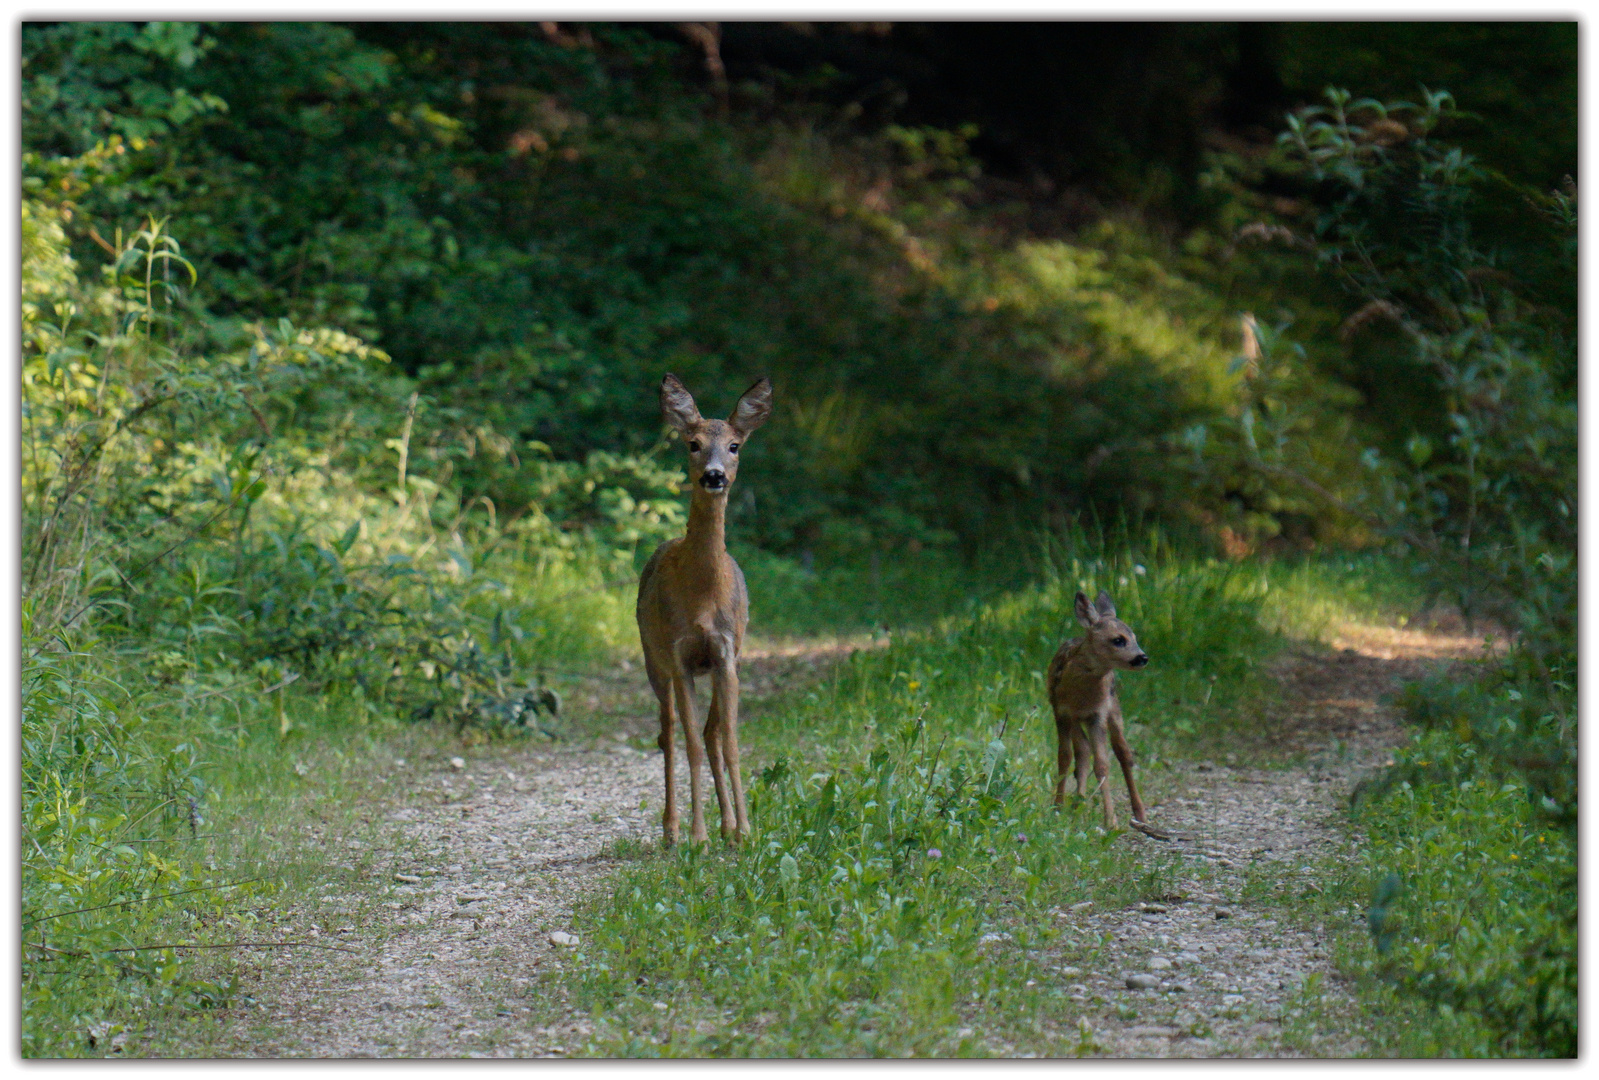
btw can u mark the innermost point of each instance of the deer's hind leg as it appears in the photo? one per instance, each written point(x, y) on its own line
point(663, 694)
point(1124, 756)
point(1096, 732)
point(716, 750)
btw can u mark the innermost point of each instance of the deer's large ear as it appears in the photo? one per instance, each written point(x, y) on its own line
point(1085, 612)
point(753, 407)
point(1107, 610)
point(677, 405)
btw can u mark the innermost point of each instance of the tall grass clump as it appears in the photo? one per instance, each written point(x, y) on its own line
point(113, 878)
point(905, 855)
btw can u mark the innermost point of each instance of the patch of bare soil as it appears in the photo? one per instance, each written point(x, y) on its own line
point(490, 859)
point(1210, 972)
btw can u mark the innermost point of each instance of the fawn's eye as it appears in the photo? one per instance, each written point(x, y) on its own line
point(732, 448)
point(1118, 641)
point(694, 446)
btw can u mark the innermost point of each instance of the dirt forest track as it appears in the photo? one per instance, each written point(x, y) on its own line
point(490, 857)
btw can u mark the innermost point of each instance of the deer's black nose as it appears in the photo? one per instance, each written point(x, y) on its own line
point(1140, 660)
point(713, 479)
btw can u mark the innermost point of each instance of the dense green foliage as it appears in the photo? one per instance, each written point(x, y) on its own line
point(1518, 79)
point(219, 545)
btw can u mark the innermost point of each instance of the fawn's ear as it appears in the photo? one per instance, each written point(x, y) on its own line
point(1086, 614)
point(677, 405)
point(1107, 610)
point(753, 407)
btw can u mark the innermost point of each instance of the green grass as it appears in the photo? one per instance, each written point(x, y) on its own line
point(1472, 897)
point(1454, 919)
point(1454, 961)
point(169, 802)
point(1310, 595)
point(896, 591)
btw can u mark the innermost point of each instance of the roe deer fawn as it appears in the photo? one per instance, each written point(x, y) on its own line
point(693, 607)
point(1082, 691)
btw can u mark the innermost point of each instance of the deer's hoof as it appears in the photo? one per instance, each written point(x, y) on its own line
point(1150, 831)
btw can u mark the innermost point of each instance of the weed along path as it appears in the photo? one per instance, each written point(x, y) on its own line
point(463, 936)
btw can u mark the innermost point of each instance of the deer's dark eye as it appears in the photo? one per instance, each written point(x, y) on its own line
point(1118, 641)
point(732, 448)
point(694, 446)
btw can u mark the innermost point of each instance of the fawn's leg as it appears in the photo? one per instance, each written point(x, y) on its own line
point(684, 685)
point(1063, 756)
point(1080, 754)
point(1124, 755)
point(715, 749)
point(728, 728)
point(1102, 768)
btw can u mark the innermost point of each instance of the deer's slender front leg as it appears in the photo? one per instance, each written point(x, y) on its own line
point(715, 748)
point(726, 682)
point(684, 685)
point(1124, 756)
point(1096, 732)
point(669, 817)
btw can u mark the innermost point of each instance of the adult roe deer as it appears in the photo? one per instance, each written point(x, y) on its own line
point(693, 607)
point(1082, 691)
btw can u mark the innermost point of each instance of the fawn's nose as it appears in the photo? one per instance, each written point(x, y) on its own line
point(1140, 660)
point(713, 480)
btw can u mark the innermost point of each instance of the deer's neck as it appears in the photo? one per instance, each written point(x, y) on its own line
point(1085, 665)
point(706, 538)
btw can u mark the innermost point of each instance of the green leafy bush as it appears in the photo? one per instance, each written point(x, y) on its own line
point(1479, 912)
point(109, 875)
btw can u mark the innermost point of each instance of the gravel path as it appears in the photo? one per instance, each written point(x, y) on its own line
point(491, 855)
